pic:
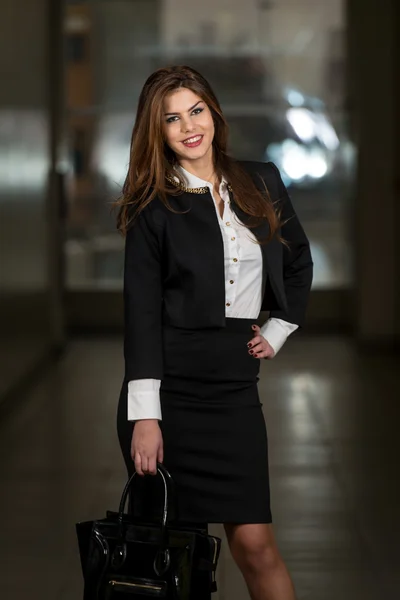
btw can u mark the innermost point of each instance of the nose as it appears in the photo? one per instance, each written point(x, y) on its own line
point(186, 125)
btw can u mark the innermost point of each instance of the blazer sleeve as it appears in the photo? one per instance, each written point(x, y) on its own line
point(143, 351)
point(297, 261)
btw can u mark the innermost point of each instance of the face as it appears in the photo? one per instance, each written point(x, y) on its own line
point(188, 125)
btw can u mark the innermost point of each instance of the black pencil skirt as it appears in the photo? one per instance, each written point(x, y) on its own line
point(215, 439)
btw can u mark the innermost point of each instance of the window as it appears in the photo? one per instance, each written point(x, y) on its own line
point(76, 47)
point(79, 152)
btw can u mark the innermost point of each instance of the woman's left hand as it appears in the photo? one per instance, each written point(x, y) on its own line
point(258, 346)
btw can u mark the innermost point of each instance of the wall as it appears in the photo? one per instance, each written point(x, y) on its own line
point(374, 107)
point(28, 311)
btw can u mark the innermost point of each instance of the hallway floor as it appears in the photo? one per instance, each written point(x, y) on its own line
point(333, 425)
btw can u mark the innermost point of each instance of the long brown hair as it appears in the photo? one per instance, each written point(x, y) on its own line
point(151, 160)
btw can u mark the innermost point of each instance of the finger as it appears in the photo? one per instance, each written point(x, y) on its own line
point(160, 454)
point(256, 348)
point(138, 464)
point(145, 464)
point(262, 350)
point(152, 465)
point(266, 353)
point(251, 343)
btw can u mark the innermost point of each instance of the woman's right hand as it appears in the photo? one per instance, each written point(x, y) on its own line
point(147, 446)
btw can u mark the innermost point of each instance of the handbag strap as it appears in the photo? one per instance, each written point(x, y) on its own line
point(162, 560)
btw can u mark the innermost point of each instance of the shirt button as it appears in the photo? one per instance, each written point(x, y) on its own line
point(228, 223)
point(235, 260)
point(231, 281)
point(228, 303)
point(233, 239)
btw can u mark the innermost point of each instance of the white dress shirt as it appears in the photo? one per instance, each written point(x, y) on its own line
point(243, 278)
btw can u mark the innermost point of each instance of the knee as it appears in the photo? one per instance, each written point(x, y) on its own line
point(259, 558)
point(255, 551)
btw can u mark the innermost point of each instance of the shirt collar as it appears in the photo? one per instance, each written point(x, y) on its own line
point(195, 182)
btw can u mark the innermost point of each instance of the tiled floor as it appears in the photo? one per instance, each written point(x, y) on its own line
point(333, 424)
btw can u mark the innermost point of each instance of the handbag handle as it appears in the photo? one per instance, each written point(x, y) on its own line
point(162, 559)
point(166, 478)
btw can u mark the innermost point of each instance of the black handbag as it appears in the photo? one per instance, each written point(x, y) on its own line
point(124, 558)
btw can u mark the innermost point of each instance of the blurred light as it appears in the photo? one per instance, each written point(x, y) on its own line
point(77, 23)
point(309, 126)
point(24, 150)
point(295, 98)
point(299, 161)
point(324, 271)
point(302, 122)
point(326, 133)
point(317, 165)
point(294, 160)
point(273, 151)
point(111, 154)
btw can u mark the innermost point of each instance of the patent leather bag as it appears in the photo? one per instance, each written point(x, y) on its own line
point(123, 558)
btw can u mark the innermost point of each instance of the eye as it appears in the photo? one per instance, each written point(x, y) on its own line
point(195, 111)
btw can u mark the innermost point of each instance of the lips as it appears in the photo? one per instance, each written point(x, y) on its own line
point(193, 141)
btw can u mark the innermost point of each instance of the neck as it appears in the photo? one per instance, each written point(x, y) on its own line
point(201, 167)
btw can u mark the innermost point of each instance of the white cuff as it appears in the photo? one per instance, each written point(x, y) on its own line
point(144, 399)
point(276, 332)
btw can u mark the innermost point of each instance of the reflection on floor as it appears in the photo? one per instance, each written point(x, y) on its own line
point(332, 419)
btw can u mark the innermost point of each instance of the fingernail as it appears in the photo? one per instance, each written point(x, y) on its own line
point(249, 345)
point(253, 326)
point(251, 351)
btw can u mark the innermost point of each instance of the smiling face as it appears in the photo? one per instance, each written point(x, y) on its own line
point(188, 126)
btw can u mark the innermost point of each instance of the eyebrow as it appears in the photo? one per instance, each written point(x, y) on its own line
point(190, 109)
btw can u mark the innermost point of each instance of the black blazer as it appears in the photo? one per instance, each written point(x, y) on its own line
point(174, 270)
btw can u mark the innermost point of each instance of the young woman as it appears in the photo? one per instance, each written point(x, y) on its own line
point(210, 241)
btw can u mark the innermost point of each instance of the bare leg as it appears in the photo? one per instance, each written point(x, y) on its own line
point(254, 550)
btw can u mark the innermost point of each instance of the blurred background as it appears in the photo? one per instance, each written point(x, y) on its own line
point(309, 84)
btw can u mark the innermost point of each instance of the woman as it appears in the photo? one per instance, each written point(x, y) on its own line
point(209, 242)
